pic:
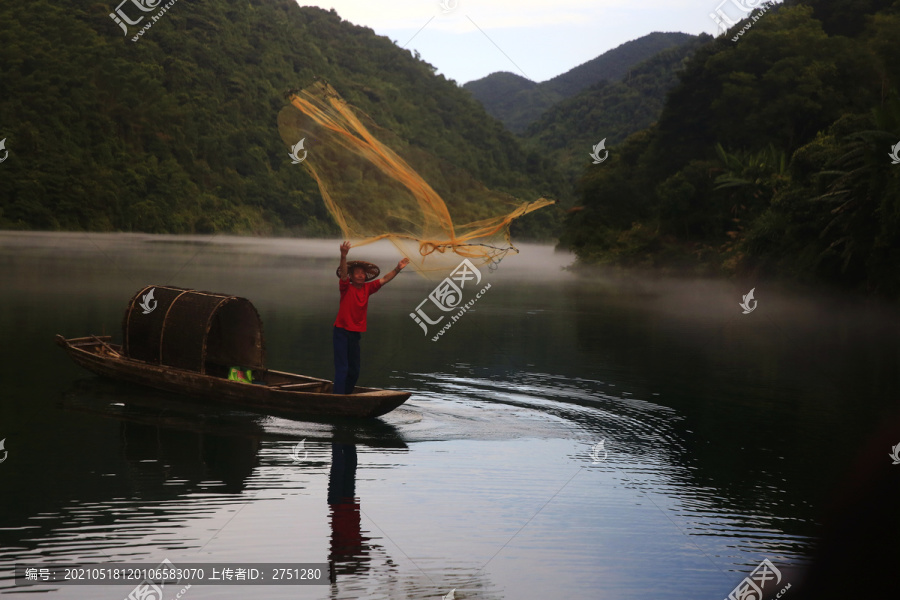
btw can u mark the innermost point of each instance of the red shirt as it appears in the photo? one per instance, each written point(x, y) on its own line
point(354, 304)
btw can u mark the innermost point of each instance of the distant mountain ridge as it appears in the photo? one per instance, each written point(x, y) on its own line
point(518, 102)
point(608, 110)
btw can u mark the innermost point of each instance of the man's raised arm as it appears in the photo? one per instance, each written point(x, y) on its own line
point(391, 274)
point(345, 248)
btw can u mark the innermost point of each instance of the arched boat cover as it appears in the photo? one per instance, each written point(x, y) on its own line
point(192, 330)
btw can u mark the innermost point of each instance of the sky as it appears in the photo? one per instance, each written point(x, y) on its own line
point(538, 39)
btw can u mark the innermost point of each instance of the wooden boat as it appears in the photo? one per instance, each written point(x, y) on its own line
point(186, 341)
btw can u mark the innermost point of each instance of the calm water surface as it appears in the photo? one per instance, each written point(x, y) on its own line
point(725, 435)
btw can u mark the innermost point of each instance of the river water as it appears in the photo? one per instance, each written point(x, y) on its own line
point(569, 436)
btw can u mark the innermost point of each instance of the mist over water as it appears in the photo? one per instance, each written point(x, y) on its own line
point(725, 435)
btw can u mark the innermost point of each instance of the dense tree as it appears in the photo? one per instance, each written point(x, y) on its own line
point(176, 132)
point(770, 157)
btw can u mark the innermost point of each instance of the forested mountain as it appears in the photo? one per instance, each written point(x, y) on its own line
point(608, 110)
point(770, 158)
point(616, 63)
point(518, 102)
point(176, 131)
point(498, 91)
point(770, 155)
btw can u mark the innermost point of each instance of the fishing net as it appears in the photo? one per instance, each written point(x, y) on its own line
point(382, 188)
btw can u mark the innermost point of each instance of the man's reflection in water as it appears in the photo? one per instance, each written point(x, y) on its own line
point(349, 549)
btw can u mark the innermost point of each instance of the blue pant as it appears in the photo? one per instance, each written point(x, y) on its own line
point(346, 360)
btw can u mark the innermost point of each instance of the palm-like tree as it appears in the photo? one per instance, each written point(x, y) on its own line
point(863, 196)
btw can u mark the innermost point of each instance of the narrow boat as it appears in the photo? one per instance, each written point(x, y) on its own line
point(187, 342)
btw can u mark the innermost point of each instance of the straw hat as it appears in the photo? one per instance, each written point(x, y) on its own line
point(372, 271)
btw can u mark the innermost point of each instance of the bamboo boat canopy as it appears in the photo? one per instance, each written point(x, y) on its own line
point(192, 330)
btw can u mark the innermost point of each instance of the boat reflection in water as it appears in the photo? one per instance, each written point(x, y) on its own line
point(175, 449)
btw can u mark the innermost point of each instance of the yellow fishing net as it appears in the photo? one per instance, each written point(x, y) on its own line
point(373, 193)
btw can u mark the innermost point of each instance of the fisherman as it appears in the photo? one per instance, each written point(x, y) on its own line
point(356, 285)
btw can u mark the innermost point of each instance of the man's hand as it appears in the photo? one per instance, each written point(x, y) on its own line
point(402, 264)
point(345, 248)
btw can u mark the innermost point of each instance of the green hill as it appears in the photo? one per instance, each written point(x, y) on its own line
point(770, 158)
point(608, 110)
point(176, 132)
point(518, 102)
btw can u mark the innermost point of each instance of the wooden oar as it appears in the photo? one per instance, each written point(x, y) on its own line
point(294, 386)
point(107, 346)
